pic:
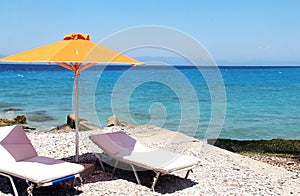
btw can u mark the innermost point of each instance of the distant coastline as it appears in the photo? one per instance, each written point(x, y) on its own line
point(42, 66)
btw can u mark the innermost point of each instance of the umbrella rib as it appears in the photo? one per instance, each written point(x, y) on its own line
point(88, 65)
point(65, 65)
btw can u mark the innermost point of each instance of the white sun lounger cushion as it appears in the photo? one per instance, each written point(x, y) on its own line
point(19, 159)
point(161, 160)
point(125, 148)
point(41, 169)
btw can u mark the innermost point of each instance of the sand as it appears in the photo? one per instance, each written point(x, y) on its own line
point(219, 172)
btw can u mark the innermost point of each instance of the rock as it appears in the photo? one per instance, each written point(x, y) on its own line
point(275, 146)
point(12, 109)
point(17, 120)
point(20, 120)
point(114, 121)
point(71, 120)
point(84, 125)
point(61, 129)
point(2, 124)
point(27, 129)
point(4, 121)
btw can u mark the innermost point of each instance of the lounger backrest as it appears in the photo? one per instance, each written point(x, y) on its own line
point(113, 143)
point(15, 145)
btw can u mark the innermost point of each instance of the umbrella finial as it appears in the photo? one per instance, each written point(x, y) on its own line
point(77, 36)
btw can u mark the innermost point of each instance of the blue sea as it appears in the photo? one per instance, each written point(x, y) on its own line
point(237, 102)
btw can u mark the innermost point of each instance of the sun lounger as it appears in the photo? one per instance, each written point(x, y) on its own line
point(20, 160)
point(123, 148)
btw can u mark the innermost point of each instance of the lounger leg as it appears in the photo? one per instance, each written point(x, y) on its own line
point(74, 181)
point(116, 163)
point(101, 164)
point(135, 174)
point(80, 182)
point(155, 179)
point(100, 161)
point(30, 189)
point(187, 173)
point(12, 183)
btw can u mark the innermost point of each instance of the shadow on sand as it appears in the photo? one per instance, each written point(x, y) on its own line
point(166, 184)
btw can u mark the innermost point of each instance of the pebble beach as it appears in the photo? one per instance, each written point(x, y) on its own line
point(219, 172)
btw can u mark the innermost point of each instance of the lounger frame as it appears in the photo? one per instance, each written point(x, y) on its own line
point(118, 146)
point(32, 185)
point(155, 178)
point(20, 161)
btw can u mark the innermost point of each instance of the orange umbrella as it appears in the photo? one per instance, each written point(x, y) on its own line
point(75, 52)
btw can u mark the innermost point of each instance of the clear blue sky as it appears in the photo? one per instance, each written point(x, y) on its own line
point(245, 32)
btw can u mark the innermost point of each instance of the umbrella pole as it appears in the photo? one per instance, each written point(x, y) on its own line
point(76, 119)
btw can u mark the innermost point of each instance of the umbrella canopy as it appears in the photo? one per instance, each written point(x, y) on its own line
point(75, 52)
point(74, 48)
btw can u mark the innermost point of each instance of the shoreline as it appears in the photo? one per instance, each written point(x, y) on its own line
point(258, 146)
point(220, 172)
point(272, 146)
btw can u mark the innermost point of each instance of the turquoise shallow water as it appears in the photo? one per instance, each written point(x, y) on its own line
point(261, 102)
